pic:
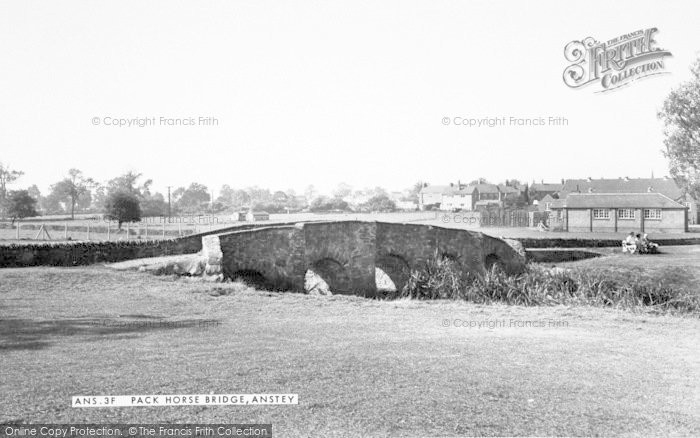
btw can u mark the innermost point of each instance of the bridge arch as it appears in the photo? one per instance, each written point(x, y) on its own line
point(493, 261)
point(334, 274)
point(396, 271)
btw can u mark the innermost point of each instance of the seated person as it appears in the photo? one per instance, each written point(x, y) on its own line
point(629, 244)
point(638, 243)
point(648, 245)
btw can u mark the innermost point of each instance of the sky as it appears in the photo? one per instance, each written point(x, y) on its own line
point(324, 92)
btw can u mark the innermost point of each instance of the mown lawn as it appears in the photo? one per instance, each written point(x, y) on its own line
point(683, 260)
point(360, 367)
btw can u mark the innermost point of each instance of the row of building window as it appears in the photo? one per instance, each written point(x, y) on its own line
point(627, 213)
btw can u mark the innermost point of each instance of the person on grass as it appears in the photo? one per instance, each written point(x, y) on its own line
point(629, 244)
point(638, 243)
point(647, 245)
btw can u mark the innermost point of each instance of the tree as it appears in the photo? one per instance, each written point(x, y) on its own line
point(35, 193)
point(681, 117)
point(73, 190)
point(20, 205)
point(226, 194)
point(280, 198)
point(323, 203)
point(295, 202)
point(258, 195)
point(479, 181)
point(51, 203)
point(193, 199)
point(154, 205)
point(240, 198)
point(7, 177)
point(380, 203)
point(123, 206)
point(343, 190)
point(99, 197)
point(129, 183)
point(412, 193)
point(230, 198)
point(310, 192)
point(84, 200)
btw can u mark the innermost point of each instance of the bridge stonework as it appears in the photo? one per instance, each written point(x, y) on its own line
point(346, 253)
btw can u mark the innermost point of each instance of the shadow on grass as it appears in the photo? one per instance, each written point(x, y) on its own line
point(31, 334)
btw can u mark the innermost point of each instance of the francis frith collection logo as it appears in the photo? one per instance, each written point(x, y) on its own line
point(616, 62)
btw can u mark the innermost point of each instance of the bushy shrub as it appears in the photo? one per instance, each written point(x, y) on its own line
point(539, 285)
point(440, 278)
point(123, 207)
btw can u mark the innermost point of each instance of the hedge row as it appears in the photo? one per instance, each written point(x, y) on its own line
point(85, 253)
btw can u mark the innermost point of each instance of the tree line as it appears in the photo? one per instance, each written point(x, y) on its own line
point(129, 197)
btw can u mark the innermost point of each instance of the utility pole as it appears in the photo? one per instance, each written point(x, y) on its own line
point(169, 207)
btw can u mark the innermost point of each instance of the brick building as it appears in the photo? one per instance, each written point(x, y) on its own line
point(666, 186)
point(618, 212)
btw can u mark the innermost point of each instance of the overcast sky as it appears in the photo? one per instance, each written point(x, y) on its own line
point(322, 92)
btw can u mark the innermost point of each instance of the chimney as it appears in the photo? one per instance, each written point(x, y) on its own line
point(589, 179)
point(627, 178)
point(452, 184)
point(541, 181)
point(563, 181)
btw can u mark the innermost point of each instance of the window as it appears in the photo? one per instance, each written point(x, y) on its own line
point(653, 214)
point(687, 205)
point(625, 213)
point(547, 206)
point(601, 213)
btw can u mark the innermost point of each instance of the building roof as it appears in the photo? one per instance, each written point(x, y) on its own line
point(468, 190)
point(556, 203)
point(666, 186)
point(486, 188)
point(616, 200)
point(545, 187)
point(508, 189)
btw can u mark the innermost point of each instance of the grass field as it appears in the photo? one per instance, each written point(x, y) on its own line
point(61, 228)
point(681, 260)
point(360, 367)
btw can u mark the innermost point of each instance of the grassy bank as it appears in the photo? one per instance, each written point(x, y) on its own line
point(627, 282)
point(361, 367)
point(540, 285)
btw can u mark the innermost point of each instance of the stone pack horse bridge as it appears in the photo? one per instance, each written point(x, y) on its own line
point(346, 254)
